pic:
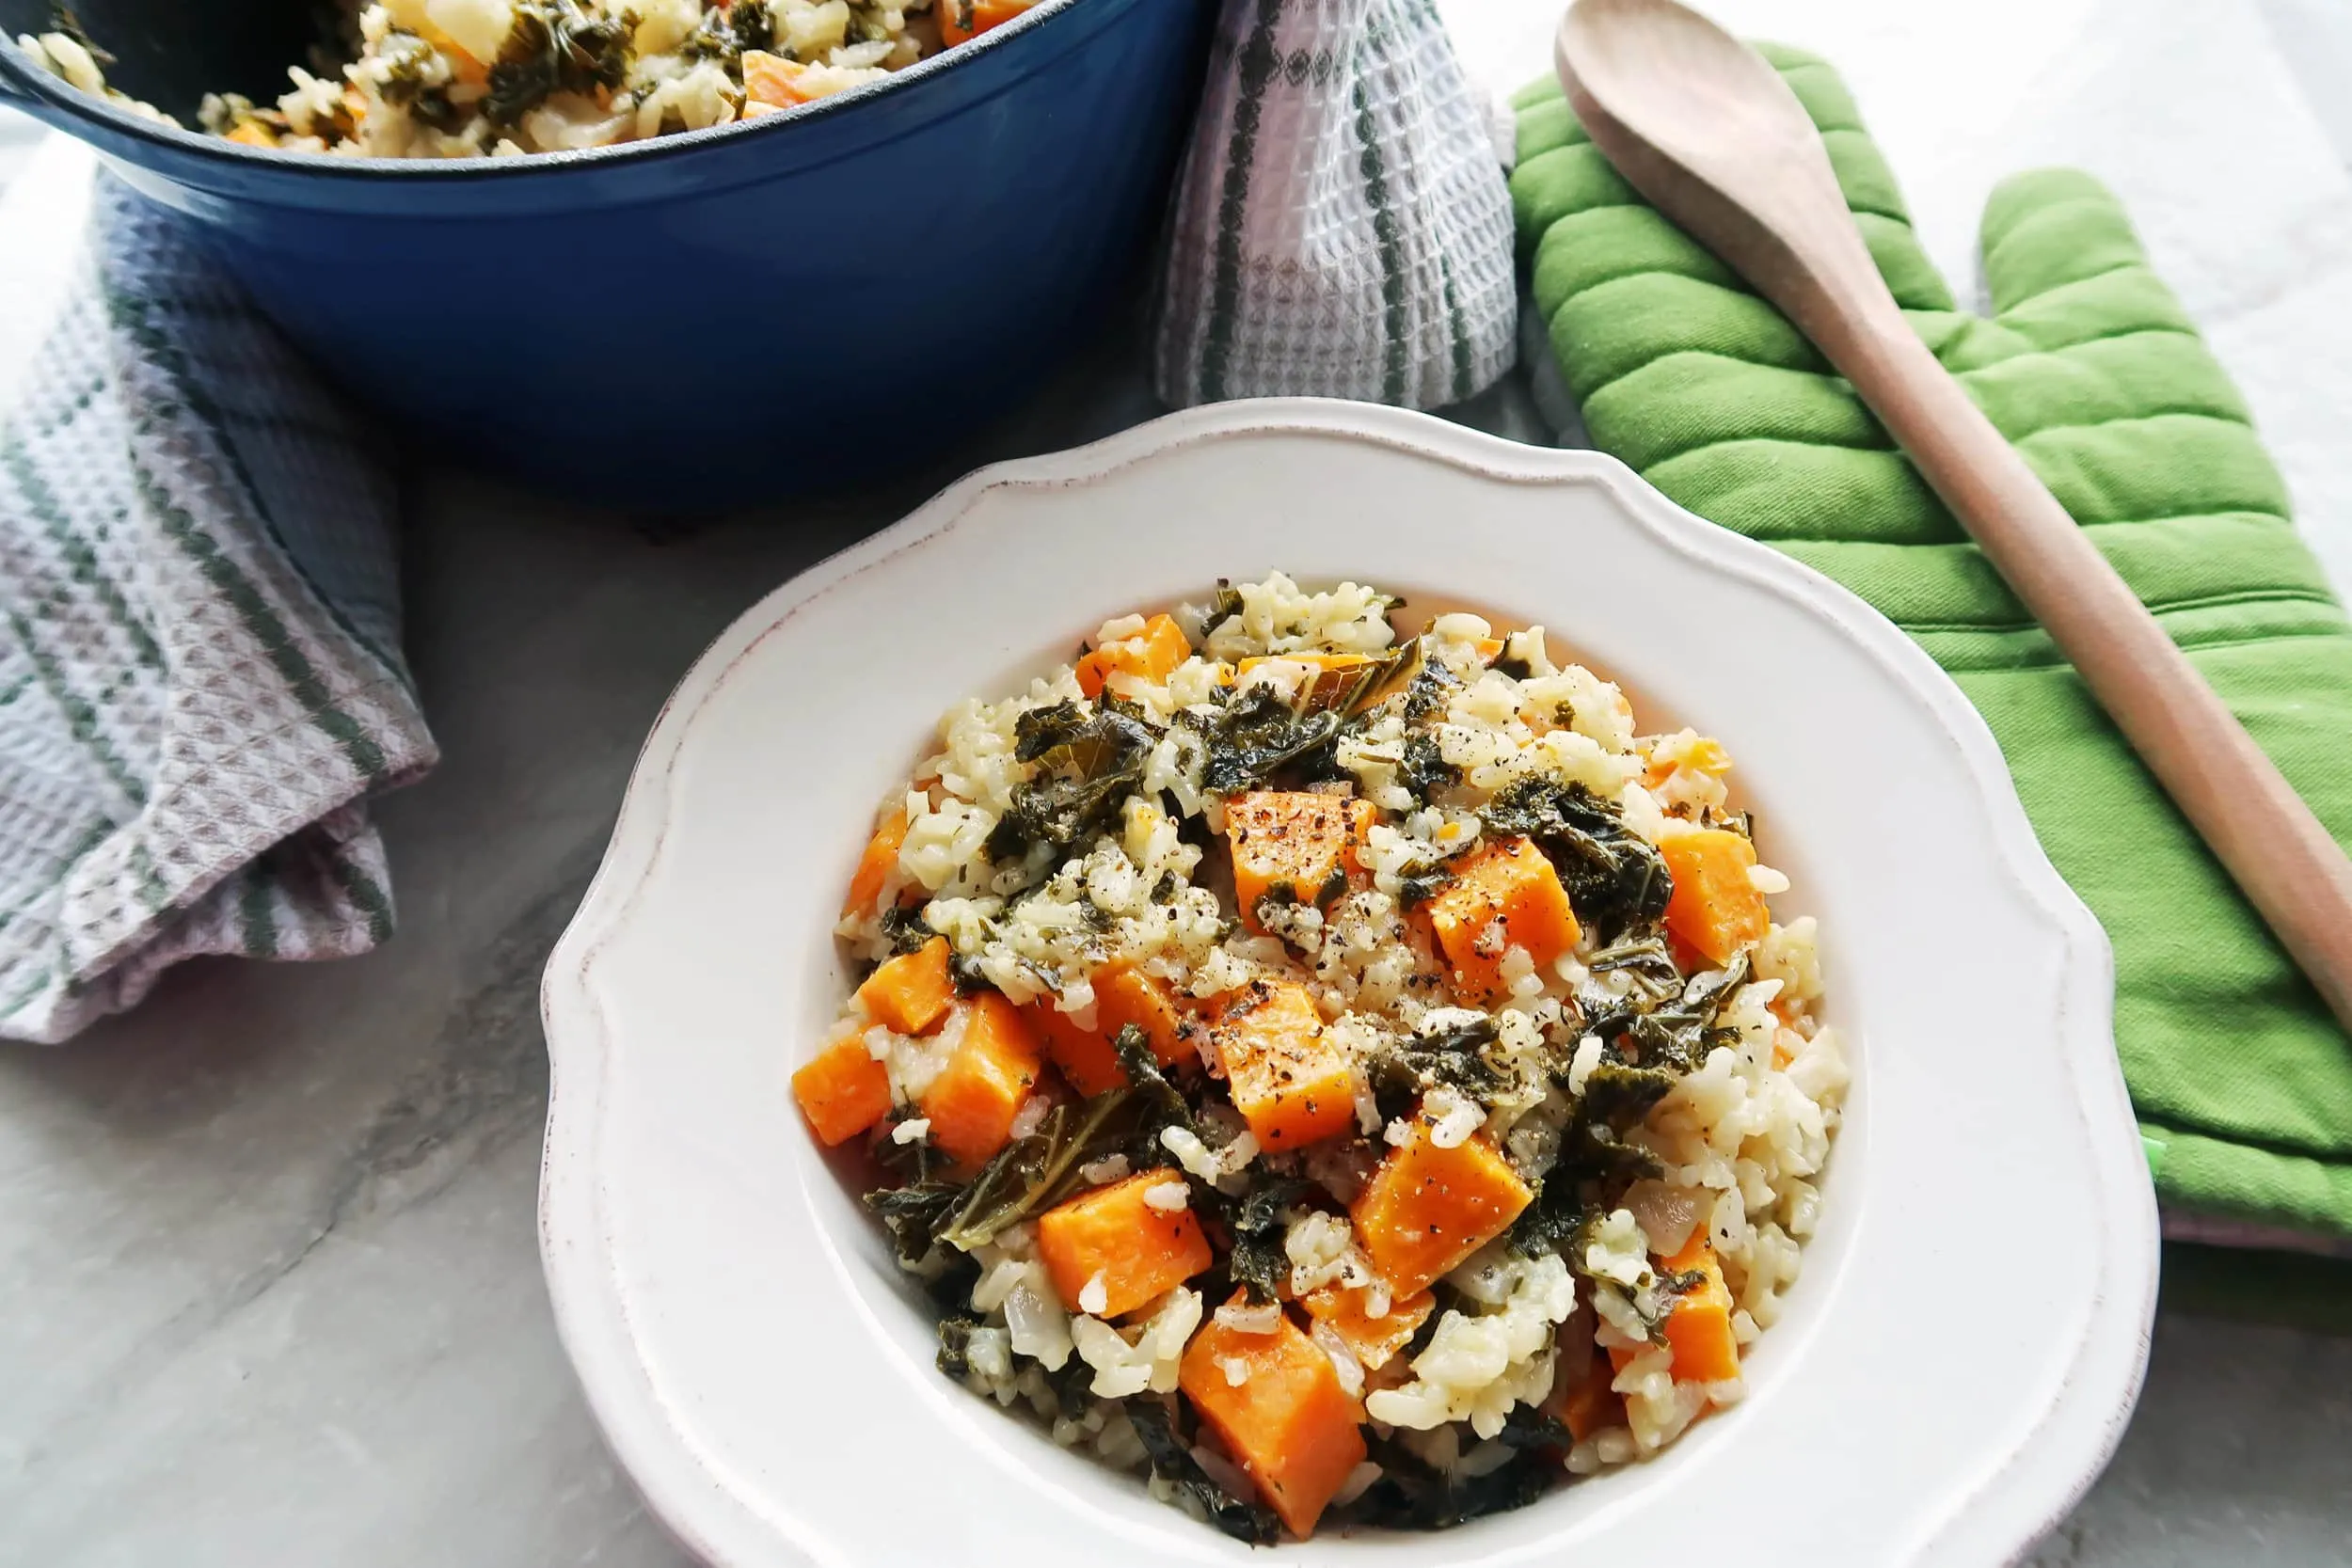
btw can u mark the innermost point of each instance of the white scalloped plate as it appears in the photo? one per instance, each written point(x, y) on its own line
point(1966, 1344)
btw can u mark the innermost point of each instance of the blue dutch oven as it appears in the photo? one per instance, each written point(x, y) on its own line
point(702, 320)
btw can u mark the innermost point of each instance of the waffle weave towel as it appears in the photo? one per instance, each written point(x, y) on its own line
point(1341, 228)
point(200, 678)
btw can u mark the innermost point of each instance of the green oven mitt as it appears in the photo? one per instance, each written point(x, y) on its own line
point(2242, 1080)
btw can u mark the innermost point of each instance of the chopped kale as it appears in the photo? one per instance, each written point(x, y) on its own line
point(1530, 1426)
point(1403, 1071)
point(1512, 666)
point(1431, 688)
point(1351, 688)
point(1172, 1461)
point(1424, 769)
point(403, 57)
point(913, 1215)
point(1674, 1035)
point(725, 33)
point(1419, 881)
point(1038, 1171)
point(1257, 735)
point(1412, 1494)
point(1594, 1164)
point(1159, 1104)
point(955, 1344)
point(556, 46)
point(1088, 758)
point(904, 926)
point(1615, 878)
point(912, 1161)
point(1258, 1264)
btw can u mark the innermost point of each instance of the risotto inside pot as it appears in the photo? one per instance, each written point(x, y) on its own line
point(462, 78)
point(1336, 1078)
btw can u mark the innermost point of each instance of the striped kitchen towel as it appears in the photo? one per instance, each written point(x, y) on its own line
point(1341, 228)
point(200, 676)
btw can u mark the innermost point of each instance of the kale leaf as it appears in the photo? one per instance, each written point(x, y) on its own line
point(955, 1344)
point(1172, 1463)
point(1256, 734)
point(906, 929)
point(1088, 759)
point(556, 46)
point(1038, 1171)
point(1424, 769)
point(1675, 1035)
point(1403, 1070)
point(1594, 1164)
point(912, 1213)
point(1412, 1494)
point(1258, 1264)
point(1615, 878)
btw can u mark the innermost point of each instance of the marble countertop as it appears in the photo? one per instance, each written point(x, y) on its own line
point(269, 1275)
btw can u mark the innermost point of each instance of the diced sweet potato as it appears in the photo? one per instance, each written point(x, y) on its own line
point(875, 866)
point(1511, 882)
point(1152, 654)
point(1298, 841)
point(1715, 908)
point(972, 1103)
point(1140, 1251)
point(1427, 1209)
point(1374, 1341)
point(1121, 996)
point(911, 992)
point(1699, 1328)
point(843, 1091)
point(774, 79)
point(1583, 1399)
point(1290, 1084)
point(962, 19)
point(1287, 1423)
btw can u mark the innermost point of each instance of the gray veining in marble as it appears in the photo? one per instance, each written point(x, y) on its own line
point(269, 1280)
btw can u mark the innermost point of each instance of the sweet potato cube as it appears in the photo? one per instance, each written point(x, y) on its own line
point(1287, 1423)
point(843, 1091)
point(911, 992)
point(1140, 1251)
point(1502, 897)
point(1374, 1341)
point(1298, 841)
point(961, 20)
point(1121, 996)
point(1289, 1081)
point(1427, 1209)
point(1699, 1328)
point(994, 1066)
point(1152, 654)
point(774, 80)
point(1715, 909)
point(1585, 1402)
point(874, 867)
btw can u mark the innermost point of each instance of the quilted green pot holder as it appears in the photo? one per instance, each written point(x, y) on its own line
point(2242, 1080)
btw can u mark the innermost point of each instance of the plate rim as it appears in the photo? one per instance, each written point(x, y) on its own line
point(1998, 1515)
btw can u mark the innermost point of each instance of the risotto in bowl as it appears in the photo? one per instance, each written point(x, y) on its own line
point(1302, 977)
point(1332, 1070)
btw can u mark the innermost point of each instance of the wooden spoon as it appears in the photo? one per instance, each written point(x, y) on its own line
point(1703, 127)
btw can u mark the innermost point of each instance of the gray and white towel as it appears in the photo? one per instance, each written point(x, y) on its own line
point(1341, 226)
point(200, 674)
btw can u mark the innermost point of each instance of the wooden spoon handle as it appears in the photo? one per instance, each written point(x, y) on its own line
point(2283, 857)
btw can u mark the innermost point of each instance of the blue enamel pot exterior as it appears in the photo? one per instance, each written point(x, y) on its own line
point(712, 318)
